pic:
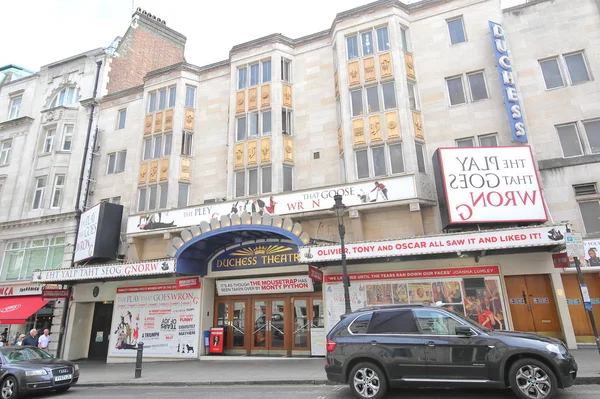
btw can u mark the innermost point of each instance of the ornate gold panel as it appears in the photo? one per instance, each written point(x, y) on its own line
point(353, 73)
point(186, 169)
point(158, 122)
point(143, 176)
point(410, 65)
point(358, 131)
point(238, 155)
point(418, 123)
point(164, 169)
point(252, 99)
point(252, 152)
point(148, 124)
point(240, 102)
point(169, 120)
point(336, 84)
point(265, 150)
point(288, 149)
point(287, 96)
point(189, 119)
point(265, 96)
point(154, 171)
point(385, 65)
point(392, 127)
point(340, 140)
point(375, 128)
point(369, 66)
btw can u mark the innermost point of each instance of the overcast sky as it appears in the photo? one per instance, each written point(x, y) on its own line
point(39, 32)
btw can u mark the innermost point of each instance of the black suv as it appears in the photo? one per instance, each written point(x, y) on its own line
point(377, 347)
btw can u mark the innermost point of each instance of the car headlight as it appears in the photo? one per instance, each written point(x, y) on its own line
point(558, 349)
point(76, 367)
point(31, 373)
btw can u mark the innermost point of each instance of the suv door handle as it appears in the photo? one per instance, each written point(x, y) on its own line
point(374, 343)
point(431, 344)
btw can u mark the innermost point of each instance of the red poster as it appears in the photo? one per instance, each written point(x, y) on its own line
point(188, 283)
point(216, 340)
point(315, 274)
point(560, 260)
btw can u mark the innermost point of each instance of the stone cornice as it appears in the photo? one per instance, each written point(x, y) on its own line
point(16, 122)
point(12, 224)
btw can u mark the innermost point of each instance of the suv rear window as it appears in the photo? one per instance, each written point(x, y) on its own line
point(393, 322)
point(360, 324)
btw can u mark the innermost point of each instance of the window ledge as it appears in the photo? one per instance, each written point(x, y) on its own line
point(566, 162)
point(15, 122)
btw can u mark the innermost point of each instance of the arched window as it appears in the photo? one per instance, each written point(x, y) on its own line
point(67, 96)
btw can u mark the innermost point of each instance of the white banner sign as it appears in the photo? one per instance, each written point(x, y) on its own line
point(270, 285)
point(20, 290)
point(513, 238)
point(397, 188)
point(164, 318)
point(491, 185)
point(86, 236)
point(107, 271)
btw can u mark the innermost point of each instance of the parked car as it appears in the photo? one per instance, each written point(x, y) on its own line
point(27, 369)
point(375, 348)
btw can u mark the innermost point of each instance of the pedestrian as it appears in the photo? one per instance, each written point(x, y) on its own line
point(5, 334)
point(19, 340)
point(44, 340)
point(31, 339)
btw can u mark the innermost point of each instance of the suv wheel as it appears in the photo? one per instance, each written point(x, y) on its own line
point(367, 381)
point(532, 379)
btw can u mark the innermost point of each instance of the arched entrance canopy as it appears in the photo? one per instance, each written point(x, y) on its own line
point(198, 244)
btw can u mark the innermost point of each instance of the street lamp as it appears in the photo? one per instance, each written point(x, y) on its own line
point(340, 209)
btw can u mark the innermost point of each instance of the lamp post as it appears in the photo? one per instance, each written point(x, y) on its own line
point(340, 209)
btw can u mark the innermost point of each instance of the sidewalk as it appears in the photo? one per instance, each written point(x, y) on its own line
point(252, 370)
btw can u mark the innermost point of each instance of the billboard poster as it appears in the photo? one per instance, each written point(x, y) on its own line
point(592, 250)
point(163, 317)
point(86, 237)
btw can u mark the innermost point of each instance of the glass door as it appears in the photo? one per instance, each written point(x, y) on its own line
point(269, 327)
point(301, 341)
point(231, 315)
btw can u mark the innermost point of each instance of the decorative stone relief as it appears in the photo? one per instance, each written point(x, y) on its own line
point(252, 99)
point(287, 96)
point(375, 128)
point(392, 127)
point(148, 124)
point(238, 155)
point(418, 124)
point(265, 150)
point(164, 169)
point(240, 102)
point(169, 120)
point(158, 119)
point(336, 83)
point(426, 188)
point(410, 65)
point(353, 73)
point(288, 149)
point(385, 65)
point(340, 140)
point(186, 169)
point(265, 96)
point(154, 171)
point(189, 119)
point(143, 176)
point(358, 131)
point(52, 116)
point(252, 152)
point(369, 66)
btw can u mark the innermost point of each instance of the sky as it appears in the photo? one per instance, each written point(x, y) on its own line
point(40, 32)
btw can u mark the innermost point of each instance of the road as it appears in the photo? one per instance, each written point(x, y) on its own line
point(295, 392)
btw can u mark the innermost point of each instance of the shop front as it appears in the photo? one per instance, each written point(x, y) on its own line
point(22, 308)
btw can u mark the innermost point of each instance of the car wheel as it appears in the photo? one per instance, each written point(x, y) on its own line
point(532, 379)
point(10, 388)
point(367, 381)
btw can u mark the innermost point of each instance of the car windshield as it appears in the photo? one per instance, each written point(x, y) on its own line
point(16, 355)
point(471, 322)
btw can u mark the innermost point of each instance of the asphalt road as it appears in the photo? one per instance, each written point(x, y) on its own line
point(295, 392)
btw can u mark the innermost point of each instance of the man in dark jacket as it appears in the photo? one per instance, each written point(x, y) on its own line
point(31, 339)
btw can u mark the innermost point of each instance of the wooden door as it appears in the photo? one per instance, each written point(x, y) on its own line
point(532, 304)
point(579, 317)
point(520, 309)
point(592, 280)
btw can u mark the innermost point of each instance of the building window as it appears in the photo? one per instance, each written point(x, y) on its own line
point(352, 46)
point(405, 37)
point(142, 199)
point(157, 146)
point(362, 164)
point(456, 29)
point(372, 99)
point(183, 195)
point(67, 96)
point(21, 258)
point(162, 99)
point(67, 143)
point(240, 128)
point(152, 102)
point(187, 143)
point(456, 90)
point(113, 200)
point(190, 96)
point(383, 158)
point(378, 154)
point(420, 157)
point(5, 147)
point(466, 142)
point(15, 107)
point(57, 192)
point(592, 132)
point(116, 162)
point(551, 73)
point(413, 95)
point(383, 39)
point(164, 194)
point(357, 105)
point(266, 71)
point(147, 148)
point(242, 77)
point(288, 178)
point(240, 183)
point(477, 86)
point(40, 188)
point(168, 144)
point(389, 95)
point(172, 96)
point(367, 43)
point(122, 116)
point(488, 140)
point(252, 181)
point(266, 123)
point(396, 158)
point(286, 121)
point(569, 140)
point(254, 72)
point(286, 70)
point(266, 180)
point(48, 141)
point(253, 125)
point(153, 193)
point(590, 213)
point(577, 68)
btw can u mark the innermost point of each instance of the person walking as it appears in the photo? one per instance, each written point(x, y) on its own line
point(32, 339)
point(44, 339)
point(19, 340)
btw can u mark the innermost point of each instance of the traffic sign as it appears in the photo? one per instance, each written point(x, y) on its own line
point(574, 244)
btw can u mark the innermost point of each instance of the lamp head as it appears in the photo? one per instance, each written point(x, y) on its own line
point(338, 208)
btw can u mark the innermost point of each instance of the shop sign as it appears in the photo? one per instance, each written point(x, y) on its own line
point(49, 294)
point(269, 285)
point(496, 239)
point(256, 255)
point(357, 194)
point(20, 290)
point(187, 283)
point(489, 185)
point(99, 231)
point(154, 267)
point(507, 82)
point(412, 274)
point(315, 274)
point(166, 319)
point(560, 260)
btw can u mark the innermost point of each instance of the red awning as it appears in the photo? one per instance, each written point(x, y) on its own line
point(16, 309)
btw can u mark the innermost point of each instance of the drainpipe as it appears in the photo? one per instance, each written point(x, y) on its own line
point(78, 208)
